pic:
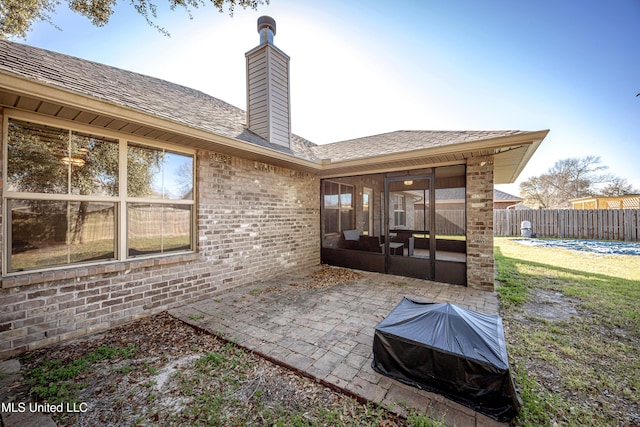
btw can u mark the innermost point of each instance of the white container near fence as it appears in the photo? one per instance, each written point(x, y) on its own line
point(525, 229)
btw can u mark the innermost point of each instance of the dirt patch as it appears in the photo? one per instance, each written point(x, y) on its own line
point(571, 353)
point(550, 305)
point(182, 376)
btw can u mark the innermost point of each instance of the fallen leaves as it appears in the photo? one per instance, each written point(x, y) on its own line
point(180, 375)
point(328, 276)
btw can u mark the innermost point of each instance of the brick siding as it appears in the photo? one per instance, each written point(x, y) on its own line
point(2, 151)
point(480, 263)
point(254, 221)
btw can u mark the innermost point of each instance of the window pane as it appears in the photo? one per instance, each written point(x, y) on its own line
point(156, 173)
point(144, 177)
point(397, 217)
point(91, 231)
point(48, 233)
point(94, 165)
point(450, 212)
point(38, 160)
point(177, 228)
point(365, 213)
point(177, 172)
point(346, 220)
point(157, 228)
point(331, 190)
point(398, 202)
point(450, 202)
point(346, 196)
point(331, 221)
point(38, 234)
point(145, 228)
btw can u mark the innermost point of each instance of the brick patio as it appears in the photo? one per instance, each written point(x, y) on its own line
point(326, 333)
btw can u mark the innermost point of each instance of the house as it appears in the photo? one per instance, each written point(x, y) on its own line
point(502, 200)
point(628, 201)
point(455, 198)
point(124, 195)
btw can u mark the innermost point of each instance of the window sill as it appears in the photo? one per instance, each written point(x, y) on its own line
point(34, 277)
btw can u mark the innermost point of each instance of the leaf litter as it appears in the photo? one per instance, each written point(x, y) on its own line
point(180, 375)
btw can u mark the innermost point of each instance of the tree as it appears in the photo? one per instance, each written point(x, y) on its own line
point(536, 193)
point(568, 179)
point(17, 16)
point(618, 187)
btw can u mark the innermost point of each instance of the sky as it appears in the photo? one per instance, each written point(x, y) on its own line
point(361, 68)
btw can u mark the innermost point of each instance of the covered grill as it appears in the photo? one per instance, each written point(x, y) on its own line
point(449, 350)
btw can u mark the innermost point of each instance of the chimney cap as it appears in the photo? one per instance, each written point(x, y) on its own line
point(267, 22)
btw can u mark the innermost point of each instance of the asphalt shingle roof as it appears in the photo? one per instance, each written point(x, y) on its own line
point(196, 109)
point(505, 197)
point(458, 195)
point(136, 91)
point(401, 141)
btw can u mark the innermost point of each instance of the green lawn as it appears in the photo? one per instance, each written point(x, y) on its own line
point(572, 325)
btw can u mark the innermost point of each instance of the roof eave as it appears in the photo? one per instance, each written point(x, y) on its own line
point(212, 141)
point(54, 94)
point(536, 139)
point(374, 164)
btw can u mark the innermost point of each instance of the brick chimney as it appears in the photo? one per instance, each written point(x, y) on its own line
point(268, 105)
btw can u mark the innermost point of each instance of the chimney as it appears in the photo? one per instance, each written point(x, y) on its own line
point(268, 106)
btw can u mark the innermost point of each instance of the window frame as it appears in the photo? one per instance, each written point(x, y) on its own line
point(122, 200)
point(339, 208)
point(399, 209)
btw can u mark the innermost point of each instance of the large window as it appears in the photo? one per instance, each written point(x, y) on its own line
point(69, 201)
point(158, 178)
point(338, 207)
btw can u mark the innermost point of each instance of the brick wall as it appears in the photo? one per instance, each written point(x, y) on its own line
point(254, 221)
point(480, 264)
point(255, 218)
point(2, 308)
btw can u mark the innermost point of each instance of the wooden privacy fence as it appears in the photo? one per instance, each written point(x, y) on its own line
point(449, 222)
point(598, 224)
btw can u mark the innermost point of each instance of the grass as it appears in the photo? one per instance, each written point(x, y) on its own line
point(56, 381)
point(198, 316)
point(421, 420)
point(580, 369)
point(223, 394)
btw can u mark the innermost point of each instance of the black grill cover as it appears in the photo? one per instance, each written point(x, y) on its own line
point(449, 350)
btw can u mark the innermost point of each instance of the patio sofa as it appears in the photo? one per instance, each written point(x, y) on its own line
point(352, 239)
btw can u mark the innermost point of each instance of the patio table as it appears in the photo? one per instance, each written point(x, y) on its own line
point(395, 248)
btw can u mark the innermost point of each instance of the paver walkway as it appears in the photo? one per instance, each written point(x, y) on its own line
point(327, 332)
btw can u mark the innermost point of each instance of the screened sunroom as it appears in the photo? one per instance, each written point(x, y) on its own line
point(407, 223)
